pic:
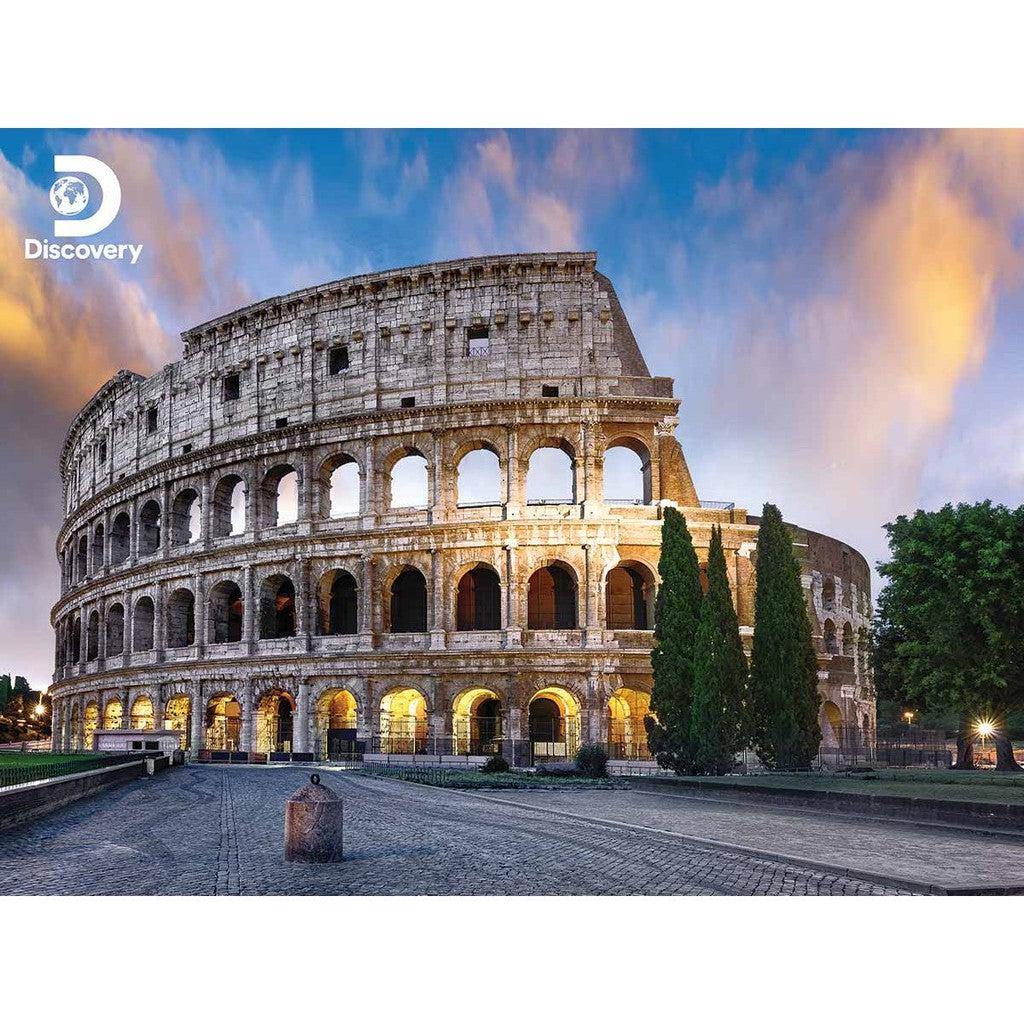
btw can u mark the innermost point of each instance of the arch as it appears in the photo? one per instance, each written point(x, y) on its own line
point(277, 608)
point(629, 597)
point(275, 718)
point(223, 722)
point(92, 636)
point(551, 601)
point(279, 496)
point(476, 722)
point(408, 481)
point(551, 474)
point(227, 609)
point(113, 713)
point(90, 723)
point(76, 640)
point(831, 721)
point(339, 487)
point(831, 643)
point(228, 518)
point(828, 593)
point(178, 717)
point(849, 643)
point(83, 558)
point(74, 728)
point(115, 629)
point(403, 722)
point(97, 548)
point(186, 518)
point(142, 716)
point(627, 473)
point(627, 734)
point(337, 719)
point(554, 724)
point(409, 602)
point(478, 477)
point(478, 599)
point(339, 603)
point(120, 538)
point(181, 618)
point(142, 625)
point(149, 528)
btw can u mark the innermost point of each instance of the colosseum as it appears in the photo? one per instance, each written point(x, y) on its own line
point(411, 513)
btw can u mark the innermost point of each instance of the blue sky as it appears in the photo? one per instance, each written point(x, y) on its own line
point(841, 310)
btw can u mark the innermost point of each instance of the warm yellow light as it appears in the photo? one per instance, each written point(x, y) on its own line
point(40, 708)
point(984, 727)
point(909, 716)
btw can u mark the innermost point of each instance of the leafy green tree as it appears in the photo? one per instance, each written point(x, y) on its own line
point(719, 674)
point(676, 612)
point(784, 701)
point(5, 691)
point(949, 633)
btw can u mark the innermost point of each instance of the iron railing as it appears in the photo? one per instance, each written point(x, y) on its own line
point(70, 764)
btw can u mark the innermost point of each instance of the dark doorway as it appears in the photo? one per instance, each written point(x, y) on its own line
point(478, 604)
point(551, 602)
point(409, 603)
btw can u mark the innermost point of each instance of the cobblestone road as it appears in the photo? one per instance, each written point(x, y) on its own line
point(209, 830)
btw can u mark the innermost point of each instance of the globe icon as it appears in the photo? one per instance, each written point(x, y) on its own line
point(69, 196)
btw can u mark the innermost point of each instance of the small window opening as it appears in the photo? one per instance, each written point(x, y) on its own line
point(477, 341)
point(408, 402)
point(549, 391)
point(337, 359)
point(151, 421)
point(185, 449)
point(103, 451)
point(232, 387)
point(281, 421)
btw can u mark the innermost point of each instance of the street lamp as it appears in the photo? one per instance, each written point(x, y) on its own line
point(909, 718)
point(984, 727)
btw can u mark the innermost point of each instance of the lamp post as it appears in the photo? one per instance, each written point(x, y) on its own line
point(984, 727)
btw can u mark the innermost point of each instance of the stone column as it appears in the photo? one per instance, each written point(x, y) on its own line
point(366, 598)
point(435, 618)
point(126, 708)
point(248, 611)
point(248, 730)
point(368, 498)
point(133, 534)
point(513, 477)
point(252, 526)
point(197, 710)
point(306, 494)
point(513, 624)
point(593, 630)
point(55, 726)
point(79, 742)
point(127, 638)
point(106, 541)
point(437, 498)
point(303, 602)
point(204, 512)
point(159, 639)
point(300, 742)
point(200, 614)
point(165, 519)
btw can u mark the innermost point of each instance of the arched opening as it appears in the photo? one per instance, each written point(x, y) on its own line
point(551, 599)
point(476, 723)
point(277, 608)
point(551, 475)
point(185, 518)
point(115, 630)
point(226, 613)
point(279, 497)
point(83, 558)
point(337, 720)
point(142, 625)
point(403, 722)
point(181, 618)
point(120, 538)
point(228, 518)
point(338, 603)
point(554, 724)
point(629, 597)
point(142, 713)
point(74, 728)
point(76, 640)
point(828, 593)
point(409, 602)
point(92, 636)
point(97, 548)
point(831, 643)
point(177, 716)
point(831, 722)
point(223, 722)
point(112, 714)
point(478, 599)
point(90, 723)
point(627, 474)
point(408, 484)
point(849, 644)
point(339, 487)
point(479, 478)
point(275, 715)
point(149, 528)
point(627, 735)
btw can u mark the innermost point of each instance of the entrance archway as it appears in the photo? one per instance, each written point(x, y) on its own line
point(554, 725)
point(337, 719)
point(177, 715)
point(223, 722)
point(627, 735)
point(90, 723)
point(403, 722)
point(476, 723)
point(275, 715)
point(112, 714)
point(142, 713)
point(831, 721)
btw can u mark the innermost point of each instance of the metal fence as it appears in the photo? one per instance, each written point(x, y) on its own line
point(20, 774)
point(433, 775)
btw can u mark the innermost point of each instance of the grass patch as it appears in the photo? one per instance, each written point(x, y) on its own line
point(16, 759)
point(456, 778)
point(938, 784)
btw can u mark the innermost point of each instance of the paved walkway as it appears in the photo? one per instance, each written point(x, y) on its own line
point(217, 830)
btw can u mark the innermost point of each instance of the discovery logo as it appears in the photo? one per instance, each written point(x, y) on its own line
point(69, 196)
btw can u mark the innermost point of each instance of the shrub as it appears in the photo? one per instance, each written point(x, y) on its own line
point(495, 764)
point(592, 761)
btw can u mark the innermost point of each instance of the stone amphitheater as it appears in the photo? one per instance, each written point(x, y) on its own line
point(411, 513)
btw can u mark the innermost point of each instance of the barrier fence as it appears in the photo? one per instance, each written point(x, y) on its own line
point(20, 774)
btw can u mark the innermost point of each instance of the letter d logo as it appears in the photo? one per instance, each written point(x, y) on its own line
point(110, 204)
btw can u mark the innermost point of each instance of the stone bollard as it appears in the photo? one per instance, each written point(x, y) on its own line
point(312, 824)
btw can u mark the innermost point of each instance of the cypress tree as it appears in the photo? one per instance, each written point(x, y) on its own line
point(719, 674)
point(784, 701)
point(676, 612)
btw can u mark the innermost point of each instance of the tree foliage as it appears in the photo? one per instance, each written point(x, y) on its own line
point(784, 701)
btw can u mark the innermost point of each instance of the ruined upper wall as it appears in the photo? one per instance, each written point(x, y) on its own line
point(552, 322)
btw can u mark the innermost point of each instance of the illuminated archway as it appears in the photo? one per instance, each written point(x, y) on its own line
point(403, 722)
point(554, 724)
point(90, 724)
point(831, 721)
point(476, 722)
point(112, 714)
point(142, 713)
point(223, 722)
point(177, 715)
point(337, 719)
point(74, 728)
point(627, 735)
point(275, 716)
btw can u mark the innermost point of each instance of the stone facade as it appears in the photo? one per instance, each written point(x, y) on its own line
point(445, 624)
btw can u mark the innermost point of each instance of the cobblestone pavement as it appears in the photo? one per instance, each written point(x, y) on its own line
point(214, 830)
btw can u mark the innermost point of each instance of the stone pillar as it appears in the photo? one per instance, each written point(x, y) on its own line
point(200, 614)
point(303, 602)
point(159, 638)
point(306, 494)
point(513, 624)
point(55, 726)
point(594, 633)
point(368, 498)
point(247, 735)
point(513, 477)
point(248, 611)
point(437, 499)
point(127, 637)
point(165, 519)
point(79, 741)
point(435, 619)
point(204, 512)
point(101, 638)
point(106, 541)
point(300, 742)
point(197, 710)
point(133, 534)
point(252, 526)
